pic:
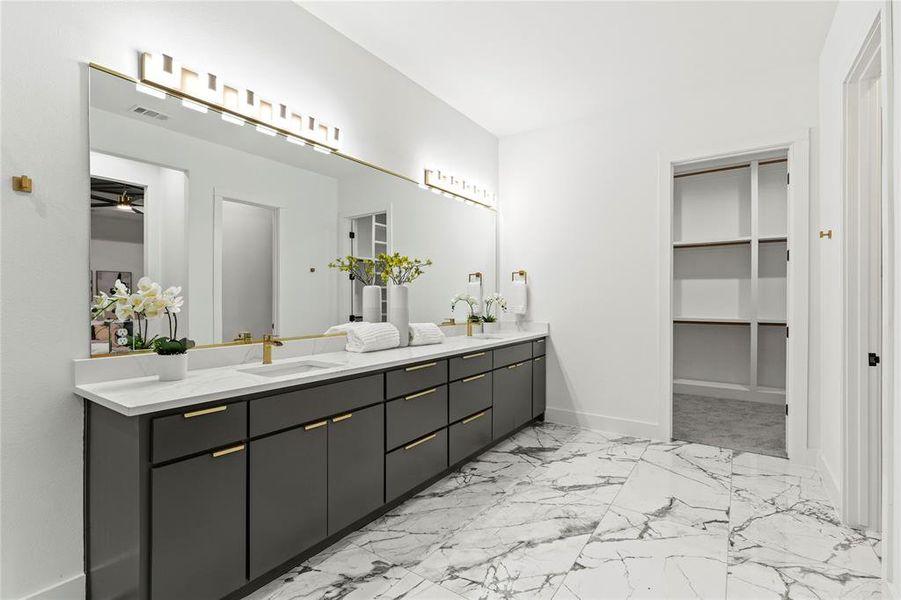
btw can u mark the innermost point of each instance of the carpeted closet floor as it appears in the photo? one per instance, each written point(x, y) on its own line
point(735, 424)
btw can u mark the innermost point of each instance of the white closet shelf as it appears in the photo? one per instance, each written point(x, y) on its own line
point(704, 243)
point(772, 239)
point(711, 321)
point(774, 322)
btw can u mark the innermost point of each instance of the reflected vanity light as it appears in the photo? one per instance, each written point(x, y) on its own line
point(458, 189)
point(194, 106)
point(150, 91)
point(266, 130)
point(322, 149)
point(294, 140)
point(232, 119)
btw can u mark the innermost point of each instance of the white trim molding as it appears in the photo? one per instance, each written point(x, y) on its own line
point(596, 422)
point(72, 588)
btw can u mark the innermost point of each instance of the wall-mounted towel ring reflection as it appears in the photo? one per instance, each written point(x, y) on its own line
point(521, 273)
point(477, 275)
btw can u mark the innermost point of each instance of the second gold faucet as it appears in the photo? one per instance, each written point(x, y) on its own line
point(269, 341)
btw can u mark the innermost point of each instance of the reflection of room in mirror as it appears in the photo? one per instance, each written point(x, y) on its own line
point(369, 239)
point(200, 162)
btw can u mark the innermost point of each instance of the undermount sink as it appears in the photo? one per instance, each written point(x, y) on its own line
point(292, 368)
point(489, 336)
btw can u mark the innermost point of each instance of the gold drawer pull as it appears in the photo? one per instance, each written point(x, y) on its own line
point(473, 418)
point(315, 425)
point(422, 441)
point(231, 450)
point(474, 377)
point(205, 411)
point(468, 356)
point(516, 365)
point(417, 367)
point(421, 394)
point(342, 418)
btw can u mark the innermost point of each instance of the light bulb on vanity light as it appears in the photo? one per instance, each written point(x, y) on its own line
point(194, 106)
point(321, 149)
point(150, 91)
point(266, 130)
point(294, 140)
point(230, 118)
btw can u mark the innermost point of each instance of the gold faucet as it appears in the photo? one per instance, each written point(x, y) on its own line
point(469, 327)
point(269, 341)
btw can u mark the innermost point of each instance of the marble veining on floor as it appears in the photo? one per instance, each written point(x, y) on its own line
point(562, 513)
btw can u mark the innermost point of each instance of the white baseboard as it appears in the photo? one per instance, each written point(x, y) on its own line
point(729, 392)
point(70, 589)
point(634, 428)
point(830, 483)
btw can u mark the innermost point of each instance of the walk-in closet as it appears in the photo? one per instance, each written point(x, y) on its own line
point(730, 252)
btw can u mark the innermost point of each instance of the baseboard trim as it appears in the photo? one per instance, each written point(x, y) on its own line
point(730, 393)
point(70, 589)
point(631, 427)
point(830, 483)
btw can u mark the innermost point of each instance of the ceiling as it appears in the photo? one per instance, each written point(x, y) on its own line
point(519, 66)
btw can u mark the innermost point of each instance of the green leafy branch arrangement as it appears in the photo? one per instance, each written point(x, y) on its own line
point(363, 269)
point(400, 269)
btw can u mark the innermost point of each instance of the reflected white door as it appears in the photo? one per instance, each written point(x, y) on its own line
point(248, 267)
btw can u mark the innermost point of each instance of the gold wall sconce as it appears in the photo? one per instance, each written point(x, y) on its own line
point(826, 234)
point(22, 183)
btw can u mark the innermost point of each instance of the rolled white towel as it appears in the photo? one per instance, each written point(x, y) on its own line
point(517, 302)
point(368, 337)
point(423, 334)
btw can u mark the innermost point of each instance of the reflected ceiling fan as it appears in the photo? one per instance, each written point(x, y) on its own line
point(117, 195)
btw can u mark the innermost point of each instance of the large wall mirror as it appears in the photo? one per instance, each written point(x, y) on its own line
point(247, 223)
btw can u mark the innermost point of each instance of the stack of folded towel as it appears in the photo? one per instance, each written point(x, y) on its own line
point(422, 334)
point(368, 337)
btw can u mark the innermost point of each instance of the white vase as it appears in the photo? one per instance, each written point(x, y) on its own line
point(172, 367)
point(491, 327)
point(399, 311)
point(372, 304)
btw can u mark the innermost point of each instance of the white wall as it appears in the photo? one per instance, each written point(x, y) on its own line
point(851, 24)
point(274, 47)
point(579, 211)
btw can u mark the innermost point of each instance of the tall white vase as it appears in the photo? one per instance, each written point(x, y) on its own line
point(399, 311)
point(372, 304)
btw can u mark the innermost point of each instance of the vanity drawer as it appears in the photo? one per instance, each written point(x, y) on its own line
point(539, 347)
point(469, 395)
point(470, 364)
point(198, 429)
point(512, 354)
point(294, 408)
point(418, 461)
point(415, 378)
point(415, 415)
point(469, 436)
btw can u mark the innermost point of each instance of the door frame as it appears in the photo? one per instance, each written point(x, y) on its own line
point(797, 145)
point(219, 196)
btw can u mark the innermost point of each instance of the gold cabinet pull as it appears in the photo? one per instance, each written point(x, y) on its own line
point(315, 425)
point(516, 365)
point(476, 355)
point(205, 411)
point(342, 418)
point(231, 450)
point(421, 394)
point(474, 377)
point(422, 441)
point(417, 367)
point(826, 234)
point(473, 418)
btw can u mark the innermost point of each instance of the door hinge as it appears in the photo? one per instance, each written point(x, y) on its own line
point(788, 255)
point(786, 332)
point(351, 234)
point(786, 409)
point(873, 359)
point(351, 276)
point(788, 179)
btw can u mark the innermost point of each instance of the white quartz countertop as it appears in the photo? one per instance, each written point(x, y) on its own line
point(143, 395)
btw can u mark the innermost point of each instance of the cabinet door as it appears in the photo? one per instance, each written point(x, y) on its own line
point(287, 495)
point(356, 466)
point(539, 385)
point(512, 398)
point(198, 526)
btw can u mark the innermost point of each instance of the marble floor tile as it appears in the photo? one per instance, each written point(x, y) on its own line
point(519, 548)
point(637, 555)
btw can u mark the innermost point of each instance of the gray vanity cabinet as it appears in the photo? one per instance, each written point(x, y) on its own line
point(512, 402)
point(356, 466)
point(288, 478)
point(539, 385)
point(198, 526)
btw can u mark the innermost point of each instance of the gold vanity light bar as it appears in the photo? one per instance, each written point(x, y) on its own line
point(460, 189)
point(163, 74)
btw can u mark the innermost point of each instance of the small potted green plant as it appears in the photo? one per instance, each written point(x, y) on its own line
point(398, 272)
point(364, 270)
point(490, 321)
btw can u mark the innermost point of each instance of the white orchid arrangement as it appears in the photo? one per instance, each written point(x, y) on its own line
point(149, 301)
point(471, 301)
point(499, 303)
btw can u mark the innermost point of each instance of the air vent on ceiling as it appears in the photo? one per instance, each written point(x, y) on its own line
point(149, 113)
